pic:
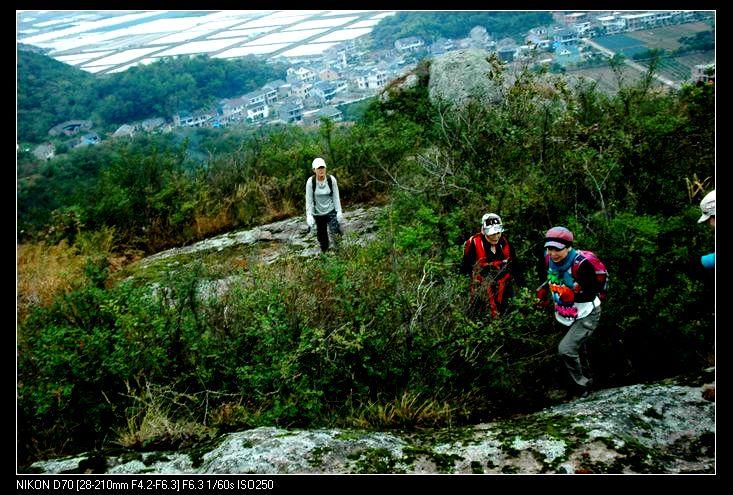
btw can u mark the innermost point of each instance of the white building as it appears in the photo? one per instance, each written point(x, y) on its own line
point(300, 74)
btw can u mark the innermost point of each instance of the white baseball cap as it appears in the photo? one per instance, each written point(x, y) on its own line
point(491, 224)
point(707, 205)
point(318, 162)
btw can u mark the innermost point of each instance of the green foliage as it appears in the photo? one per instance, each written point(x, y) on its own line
point(161, 89)
point(379, 334)
point(40, 76)
point(702, 41)
point(353, 111)
point(433, 25)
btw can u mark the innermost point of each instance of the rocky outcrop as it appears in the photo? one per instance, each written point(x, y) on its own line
point(286, 236)
point(462, 75)
point(647, 428)
point(264, 244)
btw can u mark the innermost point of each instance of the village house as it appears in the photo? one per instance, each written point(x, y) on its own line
point(611, 24)
point(704, 72)
point(565, 37)
point(506, 49)
point(442, 45)
point(300, 74)
point(149, 125)
point(44, 151)
point(328, 89)
point(88, 139)
point(328, 75)
point(125, 130)
point(232, 108)
point(192, 120)
point(291, 113)
point(257, 111)
point(409, 44)
point(301, 90)
point(329, 112)
point(70, 127)
point(271, 91)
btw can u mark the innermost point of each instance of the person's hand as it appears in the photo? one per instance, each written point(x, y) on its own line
point(310, 220)
point(542, 299)
point(339, 217)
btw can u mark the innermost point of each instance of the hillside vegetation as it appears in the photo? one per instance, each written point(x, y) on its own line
point(377, 336)
point(161, 89)
point(433, 25)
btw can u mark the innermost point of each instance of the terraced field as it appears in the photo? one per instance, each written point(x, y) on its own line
point(605, 77)
point(693, 59)
point(680, 68)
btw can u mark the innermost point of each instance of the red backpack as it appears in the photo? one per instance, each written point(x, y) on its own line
point(598, 267)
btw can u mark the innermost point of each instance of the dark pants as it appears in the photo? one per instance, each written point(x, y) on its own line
point(327, 221)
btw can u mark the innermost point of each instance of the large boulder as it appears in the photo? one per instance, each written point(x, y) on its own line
point(667, 427)
point(460, 76)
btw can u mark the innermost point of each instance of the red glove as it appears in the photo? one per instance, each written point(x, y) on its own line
point(542, 299)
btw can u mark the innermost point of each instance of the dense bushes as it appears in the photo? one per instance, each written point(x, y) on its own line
point(382, 335)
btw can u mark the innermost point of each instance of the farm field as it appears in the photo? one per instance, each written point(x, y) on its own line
point(606, 79)
point(667, 37)
point(622, 43)
point(680, 68)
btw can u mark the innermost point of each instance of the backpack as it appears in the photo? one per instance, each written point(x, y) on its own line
point(330, 187)
point(598, 267)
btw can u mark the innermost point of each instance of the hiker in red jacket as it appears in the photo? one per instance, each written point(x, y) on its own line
point(489, 259)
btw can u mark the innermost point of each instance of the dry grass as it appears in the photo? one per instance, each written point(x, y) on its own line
point(231, 416)
point(46, 271)
point(408, 411)
point(150, 422)
point(207, 224)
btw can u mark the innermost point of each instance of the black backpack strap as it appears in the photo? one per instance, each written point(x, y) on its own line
point(313, 184)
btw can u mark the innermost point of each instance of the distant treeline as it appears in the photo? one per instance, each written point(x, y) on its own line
point(433, 25)
point(50, 92)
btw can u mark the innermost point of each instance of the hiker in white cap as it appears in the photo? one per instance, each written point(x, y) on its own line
point(707, 206)
point(490, 261)
point(323, 204)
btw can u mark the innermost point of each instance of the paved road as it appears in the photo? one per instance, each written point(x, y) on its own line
point(631, 63)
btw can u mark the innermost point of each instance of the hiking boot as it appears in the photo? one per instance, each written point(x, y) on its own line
point(580, 391)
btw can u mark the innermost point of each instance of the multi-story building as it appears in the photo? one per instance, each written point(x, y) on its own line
point(257, 111)
point(409, 44)
point(300, 74)
point(704, 72)
point(611, 24)
point(191, 120)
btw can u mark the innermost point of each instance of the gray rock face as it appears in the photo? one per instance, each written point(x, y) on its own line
point(358, 227)
point(269, 243)
point(656, 428)
point(459, 76)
